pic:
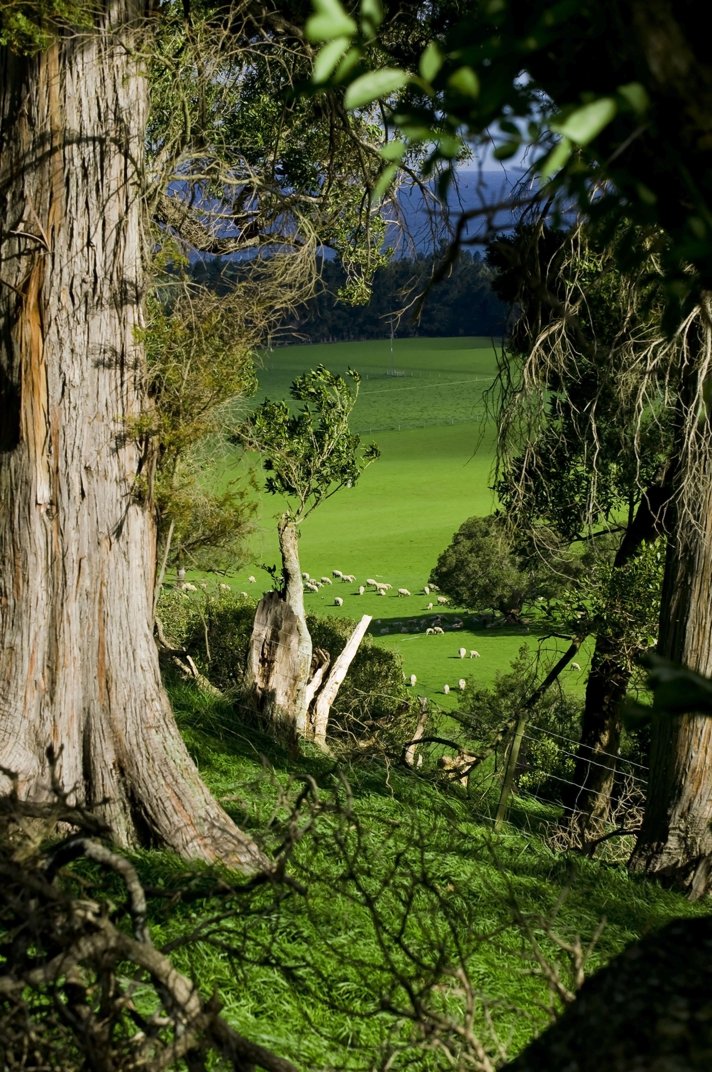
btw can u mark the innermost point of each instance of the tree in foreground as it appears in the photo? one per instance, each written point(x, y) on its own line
point(308, 456)
point(82, 159)
point(78, 663)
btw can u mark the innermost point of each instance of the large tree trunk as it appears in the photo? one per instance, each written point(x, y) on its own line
point(79, 670)
point(675, 842)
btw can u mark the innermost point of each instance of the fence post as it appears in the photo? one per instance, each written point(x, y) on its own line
point(510, 769)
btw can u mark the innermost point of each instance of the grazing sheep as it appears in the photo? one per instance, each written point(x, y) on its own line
point(337, 573)
point(474, 654)
point(442, 600)
point(459, 767)
point(348, 578)
point(361, 589)
point(430, 606)
point(305, 575)
point(575, 666)
point(462, 684)
point(311, 586)
point(446, 689)
point(338, 601)
point(325, 580)
point(429, 632)
point(251, 580)
point(224, 588)
point(244, 595)
point(403, 592)
point(438, 629)
point(462, 652)
point(426, 589)
point(370, 580)
point(413, 679)
point(434, 587)
point(188, 587)
point(381, 592)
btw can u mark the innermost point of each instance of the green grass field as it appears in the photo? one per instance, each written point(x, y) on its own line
point(424, 402)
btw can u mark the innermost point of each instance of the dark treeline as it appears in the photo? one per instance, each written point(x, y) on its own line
point(461, 304)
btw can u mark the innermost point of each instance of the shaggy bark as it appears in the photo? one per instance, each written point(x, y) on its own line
point(675, 842)
point(78, 665)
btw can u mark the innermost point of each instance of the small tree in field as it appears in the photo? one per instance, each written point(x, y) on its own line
point(481, 569)
point(308, 456)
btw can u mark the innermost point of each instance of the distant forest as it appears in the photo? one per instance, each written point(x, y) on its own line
point(462, 304)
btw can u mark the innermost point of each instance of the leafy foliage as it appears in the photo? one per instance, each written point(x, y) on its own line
point(309, 455)
point(29, 26)
point(481, 569)
point(216, 629)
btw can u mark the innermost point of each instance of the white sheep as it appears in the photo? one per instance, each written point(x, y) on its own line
point(462, 684)
point(438, 629)
point(188, 587)
point(403, 592)
point(474, 654)
point(305, 575)
point(325, 580)
point(381, 592)
point(370, 580)
point(337, 573)
point(442, 600)
point(361, 589)
point(348, 578)
point(434, 587)
point(575, 666)
point(311, 586)
point(224, 588)
point(338, 601)
point(446, 689)
point(462, 652)
point(251, 579)
point(430, 606)
point(426, 589)
point(413, 679)
point(429, 632)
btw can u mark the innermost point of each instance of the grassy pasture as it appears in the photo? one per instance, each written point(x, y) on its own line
point(424, 402)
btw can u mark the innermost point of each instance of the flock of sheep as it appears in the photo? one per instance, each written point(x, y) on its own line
point(431, 626)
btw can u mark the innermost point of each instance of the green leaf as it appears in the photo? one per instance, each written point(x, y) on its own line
point(465, 81)
point(371, 16)
point(348, 63)
point(383, 182)
point(506, 150)
point(582, 125)
point(556, 159)
point(393, 150)
point(431, 61)
point(327, 59)
point(636, 96)
point(330, 21)
point(369, 87)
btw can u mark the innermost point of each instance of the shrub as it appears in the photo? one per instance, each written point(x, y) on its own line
point(215, 628)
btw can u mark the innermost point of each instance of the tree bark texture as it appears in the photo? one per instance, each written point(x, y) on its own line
point(649, 1010)
point(675, 842)
point(78, 664)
